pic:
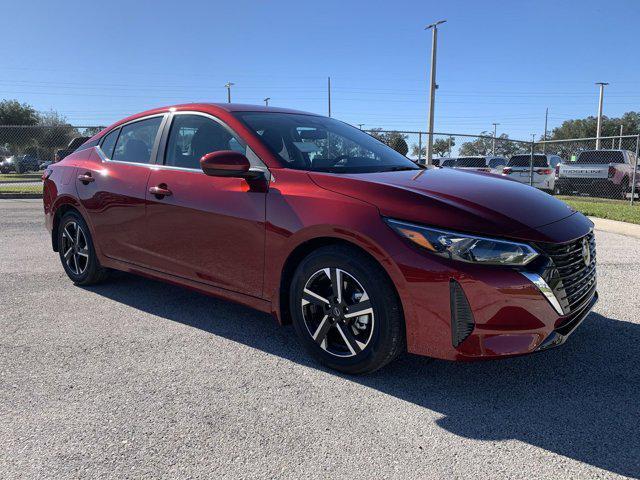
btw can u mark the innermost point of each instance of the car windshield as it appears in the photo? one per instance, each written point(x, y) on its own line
point(539, 161)
point(471, 162)
point(321, 144)
point(601, 156)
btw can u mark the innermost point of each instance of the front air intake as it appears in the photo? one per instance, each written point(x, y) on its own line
point(462, 322)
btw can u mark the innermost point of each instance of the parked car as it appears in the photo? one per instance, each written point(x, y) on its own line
point(447, 163)
point(481, 164)
point(313, 220)
point(73, 145)
point(544, 170)
point(598, 172)
point(44, 165)
point(6, 165)
point(19, 164)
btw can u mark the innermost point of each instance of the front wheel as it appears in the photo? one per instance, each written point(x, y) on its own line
point(345, 310)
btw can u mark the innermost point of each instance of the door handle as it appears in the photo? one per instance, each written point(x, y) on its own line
point(86, 178)
point(160, 191)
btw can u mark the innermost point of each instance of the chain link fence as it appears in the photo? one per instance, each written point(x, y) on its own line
point(582, 167)
point(26, 148)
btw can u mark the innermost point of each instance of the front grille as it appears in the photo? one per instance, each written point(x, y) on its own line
point(572, 280)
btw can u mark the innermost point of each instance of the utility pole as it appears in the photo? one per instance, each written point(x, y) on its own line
point(266, 101)
point(620, 141)
point(432, 87)
point(495, 131)
point(449, 145)
point(228, 85)
point(544, 137)
point(329, 94)
point(599, 127)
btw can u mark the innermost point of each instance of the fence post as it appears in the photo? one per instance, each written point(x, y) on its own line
point(635, 171)
point(419, 147)
point(531, 164)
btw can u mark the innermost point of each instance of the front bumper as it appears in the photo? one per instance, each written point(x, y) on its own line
point(510, 314)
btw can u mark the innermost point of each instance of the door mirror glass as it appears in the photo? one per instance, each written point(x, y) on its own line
point(226, 163)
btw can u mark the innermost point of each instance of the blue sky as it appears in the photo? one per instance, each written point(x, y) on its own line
point(498, 61)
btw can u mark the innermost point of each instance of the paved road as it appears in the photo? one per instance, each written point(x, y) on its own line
point(140, 379)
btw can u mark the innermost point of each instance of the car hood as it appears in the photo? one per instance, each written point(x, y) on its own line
point(464, 201)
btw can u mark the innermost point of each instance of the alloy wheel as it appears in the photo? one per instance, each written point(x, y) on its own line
point(337, 312)
point(75, 249)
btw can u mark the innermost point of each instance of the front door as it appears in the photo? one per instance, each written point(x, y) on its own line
point(207, 229)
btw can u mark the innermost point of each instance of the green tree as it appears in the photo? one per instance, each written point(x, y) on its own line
point(13, 112)
point(393, 139)
point(16, 120)
point(483, 146)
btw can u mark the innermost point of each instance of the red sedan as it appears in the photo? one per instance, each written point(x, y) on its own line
point(320, 224)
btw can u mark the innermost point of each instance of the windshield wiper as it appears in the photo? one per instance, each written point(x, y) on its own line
point(401, 168)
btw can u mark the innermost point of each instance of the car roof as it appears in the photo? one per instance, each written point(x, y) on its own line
point(205, 107)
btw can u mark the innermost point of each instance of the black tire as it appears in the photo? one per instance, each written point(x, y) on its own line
point(77, 253)
point(383, 335)
point(623, 189)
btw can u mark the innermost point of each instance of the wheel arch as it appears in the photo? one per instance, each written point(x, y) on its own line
point(65, 204)
point(299, 253)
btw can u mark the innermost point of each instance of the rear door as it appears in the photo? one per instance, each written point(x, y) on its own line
point(112, 187)
point(206, 229)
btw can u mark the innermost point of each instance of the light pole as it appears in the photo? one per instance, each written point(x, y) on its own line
point(228, 85)
point(360, 125)
point(329, 95)
point(432, 87)
point(266, 101)
point(544, 137)
point(599, 127)
point(495, 131)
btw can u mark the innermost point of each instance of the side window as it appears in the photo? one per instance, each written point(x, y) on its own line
point(109, 142)
point(136, 141)
point(193, 136)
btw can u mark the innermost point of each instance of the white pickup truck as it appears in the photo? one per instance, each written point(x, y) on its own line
point(598, 172)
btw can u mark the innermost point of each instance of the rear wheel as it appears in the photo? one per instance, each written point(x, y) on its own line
point(345, 310)
point(623, 189)
point(77, 253)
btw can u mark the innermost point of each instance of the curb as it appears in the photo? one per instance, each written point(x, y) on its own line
point(615, 226)
point(14, 196)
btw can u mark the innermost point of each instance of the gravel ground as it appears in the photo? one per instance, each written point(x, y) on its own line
point(141, 379)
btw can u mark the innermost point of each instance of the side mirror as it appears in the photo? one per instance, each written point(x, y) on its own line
point(227, 163)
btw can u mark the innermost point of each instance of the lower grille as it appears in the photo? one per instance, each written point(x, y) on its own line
point(572, 273)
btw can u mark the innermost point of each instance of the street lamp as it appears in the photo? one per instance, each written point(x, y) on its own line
point(228, 85)
point(266, 101)
point(432, 87)
point(599, 127)
point(360, 125)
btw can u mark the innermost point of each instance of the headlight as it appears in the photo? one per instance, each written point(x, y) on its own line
point(463, 247)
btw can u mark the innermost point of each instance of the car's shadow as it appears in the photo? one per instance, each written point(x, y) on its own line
point(581, 400)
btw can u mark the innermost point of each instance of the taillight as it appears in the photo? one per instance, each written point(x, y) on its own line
point(544, 171)
point(558, 170)
point(506, 171)
point(612, 171)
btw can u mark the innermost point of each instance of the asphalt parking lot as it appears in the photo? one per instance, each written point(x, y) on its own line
point(136, 378)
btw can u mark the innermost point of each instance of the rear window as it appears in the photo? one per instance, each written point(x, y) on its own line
point(601, 156)
point(539, 161)
point(471, 162)
point(496, 162)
